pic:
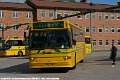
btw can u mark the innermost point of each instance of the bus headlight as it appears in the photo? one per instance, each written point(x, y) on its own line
point(66, 57)
point(31, 59)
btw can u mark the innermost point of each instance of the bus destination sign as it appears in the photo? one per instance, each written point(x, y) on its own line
point(41, 25)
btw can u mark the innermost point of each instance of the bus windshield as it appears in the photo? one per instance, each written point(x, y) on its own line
point(59, 39)
point(49, 39)
point(87, 40)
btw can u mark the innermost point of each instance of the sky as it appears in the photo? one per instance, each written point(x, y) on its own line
point(114, 2)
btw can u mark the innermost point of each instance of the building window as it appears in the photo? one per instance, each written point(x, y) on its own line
point(106, 29)
point(87, 29)
point(28, 15)
point(15, 14)
point(87, 16)
point(100, 16)
point(100, 29)
point(79, 16)
point(2, 26)
point(81, 33)
point(58, 14)
point(15, 36)
point(15, 27)
point(100, 42)
point(106, 16)
point(112, 29)
point(93, 15)
point(113, 41)
point(94, 42)
point(106, 42)
point(73, 14)
point(94, 29)
point(118, 29)
point(112, 16)
point(118, 42)
point(43, 13)
point(65, 14)
point(118, 16)
point(27, 27)
point(1, 14)
point(51, 14)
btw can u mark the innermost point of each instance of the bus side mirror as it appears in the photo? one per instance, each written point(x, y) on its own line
point(74, 42)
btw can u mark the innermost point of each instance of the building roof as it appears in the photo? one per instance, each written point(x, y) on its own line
point(12, 5)
point(67, 5)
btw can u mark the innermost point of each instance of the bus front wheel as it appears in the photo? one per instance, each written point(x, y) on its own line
point(20, 53)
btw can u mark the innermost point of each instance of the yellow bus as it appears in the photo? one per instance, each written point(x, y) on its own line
point(88, 44)
point(13, 47)
point(55, 44)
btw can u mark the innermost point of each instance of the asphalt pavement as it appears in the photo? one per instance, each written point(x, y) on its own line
point(96, 66)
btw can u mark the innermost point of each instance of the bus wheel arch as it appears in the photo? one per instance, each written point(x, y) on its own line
point(20, 53)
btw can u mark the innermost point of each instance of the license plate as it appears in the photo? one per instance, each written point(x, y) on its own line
point(49, 64)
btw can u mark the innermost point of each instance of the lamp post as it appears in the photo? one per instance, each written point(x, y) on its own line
point(2, 37)
point(25, 37)
point(55, 13)
point(91, 30)
point(91, 4)
point(2, 32)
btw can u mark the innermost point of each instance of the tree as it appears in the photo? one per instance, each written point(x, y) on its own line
point(72, 0)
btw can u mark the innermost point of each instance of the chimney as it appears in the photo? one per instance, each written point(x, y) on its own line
point(85, 1)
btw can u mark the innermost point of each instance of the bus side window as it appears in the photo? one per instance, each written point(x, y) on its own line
point(16, 43)
point(74, 39)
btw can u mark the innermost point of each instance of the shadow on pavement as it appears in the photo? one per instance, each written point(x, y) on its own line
point(117, 59)
point(106, 61)
point(14, 57)
point(24, 68)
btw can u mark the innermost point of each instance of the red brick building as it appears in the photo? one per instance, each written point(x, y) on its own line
point(14, 13)
point(103, 26)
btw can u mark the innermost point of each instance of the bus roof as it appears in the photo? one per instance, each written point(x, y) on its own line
point(13, 39)
point(87, 36)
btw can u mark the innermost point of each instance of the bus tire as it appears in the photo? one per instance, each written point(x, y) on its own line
point(20, 53)
point(75, 63)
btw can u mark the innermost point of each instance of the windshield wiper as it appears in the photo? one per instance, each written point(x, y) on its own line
point(38, 50)
point(41, 48)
